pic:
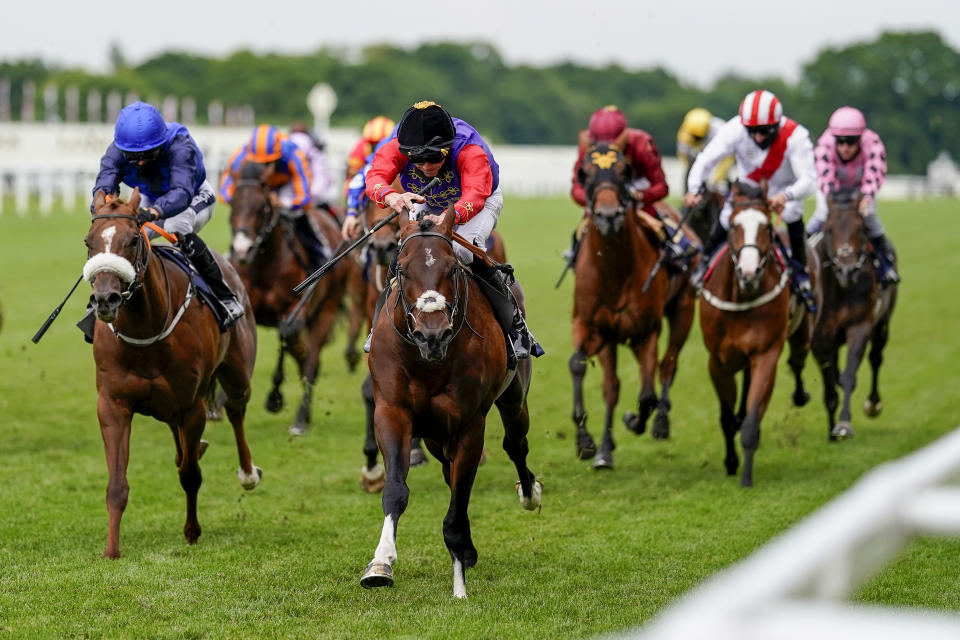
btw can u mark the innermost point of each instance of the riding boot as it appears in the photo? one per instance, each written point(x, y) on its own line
point(798, 263)
point(199, 254)
point(391, 272)
point(519, 341)
point(306, 228)
point(717, 235)
point(885, 267)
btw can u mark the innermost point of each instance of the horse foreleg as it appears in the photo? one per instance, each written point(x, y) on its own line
point(356, 291)
point(456, 524)
point(679, 320)
point(275, 397)
point(114, 420)
point(856, 347)
point(190, 477)
point(586, 448)
point(825, 351)
point(611, 394)
point(393, 429)
point(726, 388)
point(872, 406)
point(744, 394)
point(512, 405)
point(763, 372)
point(799, 346)
point(645, 351)
point(307, 353)
point(372, 474)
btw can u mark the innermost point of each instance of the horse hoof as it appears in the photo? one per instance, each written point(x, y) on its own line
point(800, 398)
point(377, 574)
point(372, 480)
point(661, 427)
point(274, 402)
point(633, 423)
point(842, 430)
point(533, 502)
point(872, 409)
point(417, 457)
point(214, 415)
point(250, 481)
point(201, 448)
point(603, 461)
point(586, 450)
point(298, 430)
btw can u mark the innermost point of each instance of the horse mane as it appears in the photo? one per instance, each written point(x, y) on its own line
point(754, 192)
point(251, 171)
point(425, 225)
point(847, 196)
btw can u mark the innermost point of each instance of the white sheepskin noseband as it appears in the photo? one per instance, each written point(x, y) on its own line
point(431, 301)
point(109, 262)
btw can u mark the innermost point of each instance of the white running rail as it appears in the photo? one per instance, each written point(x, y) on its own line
point(798, 585)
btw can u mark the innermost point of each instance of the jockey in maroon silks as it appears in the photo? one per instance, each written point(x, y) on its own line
point(649, 185)
point(429, 143)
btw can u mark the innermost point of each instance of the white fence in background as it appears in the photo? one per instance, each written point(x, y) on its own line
point(796, 586)
point(58, 162)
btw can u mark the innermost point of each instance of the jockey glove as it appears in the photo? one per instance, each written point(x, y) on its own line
point(145, 215)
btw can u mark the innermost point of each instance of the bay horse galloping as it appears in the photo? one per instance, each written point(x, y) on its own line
point(745, 317)
point(271, 259)
point(610, 306)
point(158, 355)
point(855, 310)
point(378, 252)
point(438, 361)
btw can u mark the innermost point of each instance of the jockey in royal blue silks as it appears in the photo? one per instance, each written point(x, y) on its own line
point(428, 143)
point(164, 161)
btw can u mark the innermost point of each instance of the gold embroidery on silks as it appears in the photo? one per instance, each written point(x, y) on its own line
point(468, 206)
point(604, 160)
point(438, 199)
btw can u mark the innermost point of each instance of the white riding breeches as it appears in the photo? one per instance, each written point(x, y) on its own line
point(477, 229)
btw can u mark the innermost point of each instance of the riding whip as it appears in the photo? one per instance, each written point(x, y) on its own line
point(53, 316)
point(330, 264)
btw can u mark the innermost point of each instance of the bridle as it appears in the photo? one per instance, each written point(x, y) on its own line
point(268, 210)
point(833, 258)
point(140, 260)
point(450, 309)
point(606, 179)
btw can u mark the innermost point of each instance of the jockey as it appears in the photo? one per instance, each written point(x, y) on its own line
point(696, 131)
point(291, 179)
point(162, 159)
point(429, 143)
point(849, 156)
point(375, 130)
point(322, 190)
point(768, 146)
point(649, 185)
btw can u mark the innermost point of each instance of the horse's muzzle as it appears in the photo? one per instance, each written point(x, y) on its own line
point(106, 304)
point(608, 222)
point(433, 343)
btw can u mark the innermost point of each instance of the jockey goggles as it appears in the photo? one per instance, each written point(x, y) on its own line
point(850, 140)
point(765, 130)
point(435, 150)
point(138, 156)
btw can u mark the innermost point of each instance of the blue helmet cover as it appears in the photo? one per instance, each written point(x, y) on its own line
point(140, 127)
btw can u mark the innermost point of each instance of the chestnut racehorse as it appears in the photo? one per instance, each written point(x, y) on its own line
point(855, 311)
point(158, 355)
point(438, 362)
point(615, 260)
point(376, 256)
point(271, 259)
point(745, 317)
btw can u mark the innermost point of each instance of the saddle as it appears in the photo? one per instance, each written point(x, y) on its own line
point(174, 256)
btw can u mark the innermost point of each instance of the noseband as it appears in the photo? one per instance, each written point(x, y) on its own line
point(412, 313)
point(141, 258)
point(834, 258)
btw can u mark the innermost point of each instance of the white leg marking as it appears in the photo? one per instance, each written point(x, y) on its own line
point(387, 549)
point(459, 583)
point(248, 481)
point(533, 501)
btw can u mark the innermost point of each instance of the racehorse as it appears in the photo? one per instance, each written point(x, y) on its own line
point(376, 257)
point(271, 259)
point(745, 318)
point(157, 355)
point(438, 362)
point(610, 307)
point(855, 311)
point(706, 213)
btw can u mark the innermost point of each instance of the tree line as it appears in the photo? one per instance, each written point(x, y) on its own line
point(906, 83)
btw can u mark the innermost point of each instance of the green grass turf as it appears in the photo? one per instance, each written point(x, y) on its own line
point(607, 551)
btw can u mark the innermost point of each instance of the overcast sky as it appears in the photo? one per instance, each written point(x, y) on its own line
point(696, 39)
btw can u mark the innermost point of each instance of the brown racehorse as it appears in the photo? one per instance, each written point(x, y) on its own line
point(615, 259)
point(271, 261)
point(376, 257)
point(855, 311)
point(745, 319)
point(158, 355)
point(438, 362)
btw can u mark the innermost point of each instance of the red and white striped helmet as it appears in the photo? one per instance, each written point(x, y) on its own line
point(759, 108)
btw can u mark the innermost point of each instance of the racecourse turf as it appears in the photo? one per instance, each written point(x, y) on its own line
point(605, 553)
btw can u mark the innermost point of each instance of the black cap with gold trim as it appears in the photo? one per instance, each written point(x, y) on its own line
point(426, 132)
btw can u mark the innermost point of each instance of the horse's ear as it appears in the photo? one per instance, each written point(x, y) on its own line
point(99, 199)
point(621, 141)
point(407, 226)
point(446, 226)
point(135, 198)
point(583, 141)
